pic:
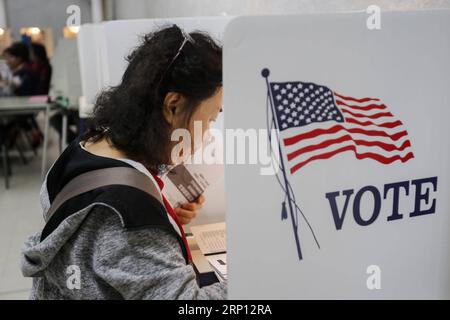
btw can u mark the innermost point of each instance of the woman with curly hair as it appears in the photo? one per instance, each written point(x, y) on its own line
point(116, 241)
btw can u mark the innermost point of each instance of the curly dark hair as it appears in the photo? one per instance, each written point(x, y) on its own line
point(130, 115)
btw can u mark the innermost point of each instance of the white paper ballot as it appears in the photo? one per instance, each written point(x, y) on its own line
point(219, 264)
point(211, 238)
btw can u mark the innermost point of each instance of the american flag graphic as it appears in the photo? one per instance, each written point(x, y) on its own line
point(316, 124)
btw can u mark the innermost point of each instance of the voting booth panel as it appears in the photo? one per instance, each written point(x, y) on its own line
point(90, 42)
point(103, 49)
point(66, 76)
point(359, 207)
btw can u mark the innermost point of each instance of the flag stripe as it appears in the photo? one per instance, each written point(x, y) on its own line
point(359, 148)
point(388, 125)
point(371, 116)
point(354, 99)
point(323, 138)
point(384, 146)
point(347, 137)
point(358, 107)
point(371, 155)
point(337, 128)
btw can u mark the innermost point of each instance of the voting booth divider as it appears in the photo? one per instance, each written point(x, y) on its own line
point(359, 205)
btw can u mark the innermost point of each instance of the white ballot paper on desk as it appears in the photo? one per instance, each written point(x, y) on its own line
point(187, 181)
point(211, 238)
point(219, 264)
point(212, 242)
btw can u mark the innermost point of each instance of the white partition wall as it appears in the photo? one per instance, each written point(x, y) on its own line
point(361, 209)
point(66, 75)
point(90, 39)
point(103, 48)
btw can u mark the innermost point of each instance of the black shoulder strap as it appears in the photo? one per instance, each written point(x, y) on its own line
point(95, 179)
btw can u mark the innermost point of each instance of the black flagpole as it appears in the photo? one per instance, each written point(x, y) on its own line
point(265, 73)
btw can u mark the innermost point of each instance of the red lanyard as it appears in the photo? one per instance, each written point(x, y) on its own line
point(172, 213)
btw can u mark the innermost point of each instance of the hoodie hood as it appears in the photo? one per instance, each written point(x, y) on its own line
point(37, 253)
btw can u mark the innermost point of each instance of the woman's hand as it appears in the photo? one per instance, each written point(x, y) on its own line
point(188, 211)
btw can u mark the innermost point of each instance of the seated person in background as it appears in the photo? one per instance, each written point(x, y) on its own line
point(23, 82)
point(43, 71)
point(41, 67)
point(17, 57)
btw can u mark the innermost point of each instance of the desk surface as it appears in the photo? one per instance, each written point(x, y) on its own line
point(21, 103)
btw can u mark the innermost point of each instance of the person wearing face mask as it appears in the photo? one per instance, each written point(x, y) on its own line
point(125, 243)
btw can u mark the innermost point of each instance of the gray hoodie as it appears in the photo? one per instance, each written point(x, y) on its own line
point(92, 255)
